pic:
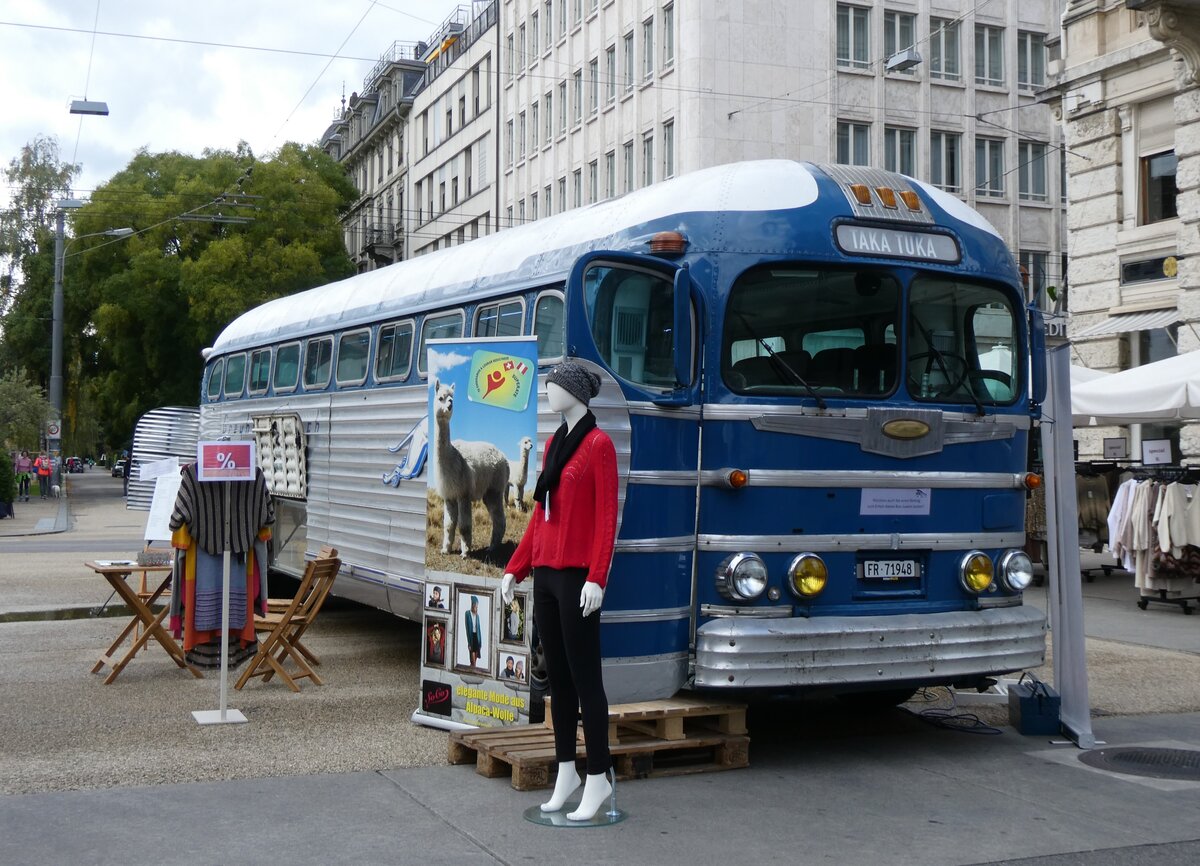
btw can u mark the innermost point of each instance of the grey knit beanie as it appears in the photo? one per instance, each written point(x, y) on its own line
point(576, 379)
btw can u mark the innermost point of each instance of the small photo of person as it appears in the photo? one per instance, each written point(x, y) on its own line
point(512, 619)
point(472, 646)
point(435, 642)
point(513, 667)
point(437, 596)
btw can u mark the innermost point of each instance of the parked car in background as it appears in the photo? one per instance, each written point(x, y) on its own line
point(118, 468)
point(75, 464)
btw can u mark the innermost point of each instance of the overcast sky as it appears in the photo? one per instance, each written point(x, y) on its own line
point(171, 95)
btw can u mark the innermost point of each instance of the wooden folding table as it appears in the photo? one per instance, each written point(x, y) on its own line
point(150, 623)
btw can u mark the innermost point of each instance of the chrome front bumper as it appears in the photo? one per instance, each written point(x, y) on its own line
point(743, 652)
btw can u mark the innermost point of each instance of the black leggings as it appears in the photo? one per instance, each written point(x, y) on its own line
point(572, 646)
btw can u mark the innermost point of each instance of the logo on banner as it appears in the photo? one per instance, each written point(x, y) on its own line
point(501, 380)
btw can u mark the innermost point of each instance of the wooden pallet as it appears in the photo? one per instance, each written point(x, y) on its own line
point(670, 719)
point(527, 751)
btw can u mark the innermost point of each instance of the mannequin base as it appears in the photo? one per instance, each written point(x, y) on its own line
point(602, 818)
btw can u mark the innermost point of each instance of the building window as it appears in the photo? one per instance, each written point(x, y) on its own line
point(548, 199)
point(668, 146)
point(853, 43)
point(647, 48)
point(944, 161)
point(453, 190)
point(562, 108)
point(577, 80)
point(510, 142)
point(1031, 60)
point(900, 150)
point(577, 179)
point(562, 194)
point(943, 49)
point(627, 160)
point(627, 47)
point(521, 211)
point(534, 127)
point(668, 35)
point(1031, 170)
point(1158, 187)
point(562, 17)
point(512, 57)
point(533, 36)
point(576, 11)
point(593, 86)
point(989, 167)
point(462, 112)
point(647, 159)
point(899, 32)
point(522, 57)
point(1033, 273)
point(593, 181)
point(1143, 271)
point(853, 143)
point(989, 55)
point(521, 135)
point(610, 174)
point(549, 116)
point(549, 22)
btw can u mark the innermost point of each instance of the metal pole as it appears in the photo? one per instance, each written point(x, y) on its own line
point(225, 577)
point(56, 336)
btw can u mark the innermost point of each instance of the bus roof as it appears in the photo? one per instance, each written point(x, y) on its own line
point(545, 249)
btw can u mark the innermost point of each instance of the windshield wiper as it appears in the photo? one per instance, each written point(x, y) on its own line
point(941, 359)
point(784, 364)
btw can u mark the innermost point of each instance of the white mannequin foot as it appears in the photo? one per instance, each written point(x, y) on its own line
point(595, 791)
point(564, 786)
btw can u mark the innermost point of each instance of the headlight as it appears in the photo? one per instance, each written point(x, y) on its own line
point(807, 576)
point(742, 577)
point(975, 571)
point(1016, 570)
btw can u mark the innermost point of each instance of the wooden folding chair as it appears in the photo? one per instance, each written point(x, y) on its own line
point(283, 628)
point(308, 611)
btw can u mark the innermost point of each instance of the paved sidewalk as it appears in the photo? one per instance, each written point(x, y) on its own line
point(38, 516)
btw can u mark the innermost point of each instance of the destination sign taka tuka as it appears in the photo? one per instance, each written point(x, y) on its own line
point(502, 380)
point(896, 244)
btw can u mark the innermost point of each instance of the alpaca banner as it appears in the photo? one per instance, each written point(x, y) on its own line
point(482, 464)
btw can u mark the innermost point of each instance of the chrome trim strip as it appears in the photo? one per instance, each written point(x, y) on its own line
point(855, 542)
point(863, 478)
point(1000, 601)
point(662, 477)
point(750, 411)
point(676, 544)
point(662, 614)
point(689, 413)
point(757, 612)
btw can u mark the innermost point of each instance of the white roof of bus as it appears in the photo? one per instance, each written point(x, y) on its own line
point(440, 278)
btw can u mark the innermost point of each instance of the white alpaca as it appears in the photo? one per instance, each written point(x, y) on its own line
point(466, 471)
point(518, 472)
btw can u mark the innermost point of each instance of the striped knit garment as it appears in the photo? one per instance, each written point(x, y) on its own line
point(201, 506)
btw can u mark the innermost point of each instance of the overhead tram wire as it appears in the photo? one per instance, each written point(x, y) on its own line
point(86, 81)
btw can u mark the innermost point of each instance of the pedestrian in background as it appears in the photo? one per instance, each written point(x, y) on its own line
point(45, 467)
point(23, 467)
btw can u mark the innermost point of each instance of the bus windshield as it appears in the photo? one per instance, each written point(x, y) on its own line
point(835, 331)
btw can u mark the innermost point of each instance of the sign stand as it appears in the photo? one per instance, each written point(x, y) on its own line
point(226, 467)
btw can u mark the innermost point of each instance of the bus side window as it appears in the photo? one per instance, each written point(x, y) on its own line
point(318, 354)
point(353, 350)
point(503, 319)
point(215, 374)
point(287, 367)
point(393, 358)
point(260, 371)
point(632, 316)
point(235, 375)
point(447, 326)
point(548, 326)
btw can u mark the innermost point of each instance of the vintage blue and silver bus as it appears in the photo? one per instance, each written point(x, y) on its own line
point(820, 380)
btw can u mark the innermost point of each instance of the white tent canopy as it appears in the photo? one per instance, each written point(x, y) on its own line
point(1166, 390)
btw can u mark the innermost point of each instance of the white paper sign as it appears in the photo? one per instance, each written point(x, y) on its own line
point(225, 461)
point(166, 488)
point(150, 471)
point(887, 500)
point(1156, 451)
point(1116, 448)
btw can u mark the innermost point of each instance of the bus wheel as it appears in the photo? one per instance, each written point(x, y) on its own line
point(876, 700)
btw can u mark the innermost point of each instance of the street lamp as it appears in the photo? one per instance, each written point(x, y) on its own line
point(56, 335)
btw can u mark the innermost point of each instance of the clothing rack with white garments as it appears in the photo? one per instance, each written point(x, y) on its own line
point(1154, 531)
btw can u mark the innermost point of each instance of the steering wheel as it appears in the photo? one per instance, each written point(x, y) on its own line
point(954, 380)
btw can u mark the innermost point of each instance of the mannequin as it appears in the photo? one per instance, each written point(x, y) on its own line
point(568, 545)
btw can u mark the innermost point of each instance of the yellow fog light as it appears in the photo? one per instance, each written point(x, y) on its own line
point(807, 575)
point(976, 571)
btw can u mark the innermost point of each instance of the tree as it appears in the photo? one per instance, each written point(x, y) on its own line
point(24, 411)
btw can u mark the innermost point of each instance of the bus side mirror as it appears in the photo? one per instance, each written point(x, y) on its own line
point(683, 329)
point(1037, 352)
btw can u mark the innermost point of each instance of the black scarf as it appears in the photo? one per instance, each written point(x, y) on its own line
point(562, 448)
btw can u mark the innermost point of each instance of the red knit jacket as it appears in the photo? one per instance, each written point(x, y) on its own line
point(583, 516)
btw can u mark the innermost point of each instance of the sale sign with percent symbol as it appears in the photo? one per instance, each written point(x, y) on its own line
point(225, 461)
point(481, 471)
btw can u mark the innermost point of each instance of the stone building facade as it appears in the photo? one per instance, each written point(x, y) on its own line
point(1128, 93)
